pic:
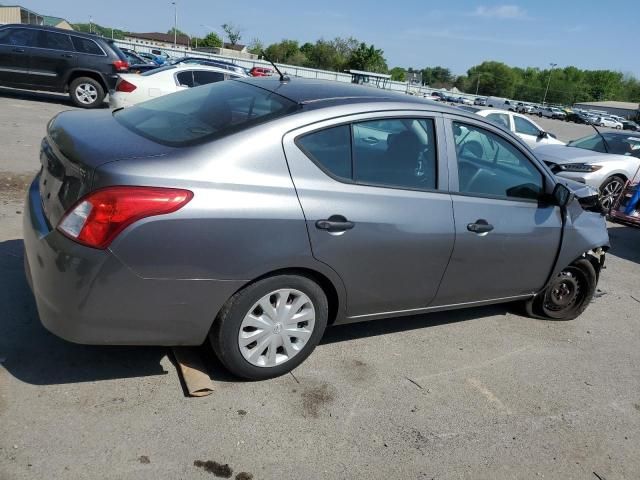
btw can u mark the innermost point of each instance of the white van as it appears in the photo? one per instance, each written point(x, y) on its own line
point(501, 103)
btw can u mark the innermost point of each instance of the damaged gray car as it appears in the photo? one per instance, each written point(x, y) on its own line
point(255, 212)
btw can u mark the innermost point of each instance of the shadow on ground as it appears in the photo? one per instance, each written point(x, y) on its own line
point(45, 97)
point(625, 242)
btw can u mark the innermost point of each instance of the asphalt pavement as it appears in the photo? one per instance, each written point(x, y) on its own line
point(482, 393)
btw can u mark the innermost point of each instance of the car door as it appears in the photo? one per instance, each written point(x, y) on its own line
point(528, 131)
point(369, 190)
point(16, 45)
point(52, 59)
point(506, 238)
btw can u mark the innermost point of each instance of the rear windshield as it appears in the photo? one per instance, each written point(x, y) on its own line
point(117, 51)
point(204, 113)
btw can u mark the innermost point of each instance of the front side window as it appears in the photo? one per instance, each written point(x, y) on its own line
point(197, 115)
point(525, 127)
point(185, 79)
point(55, 41)
point(398, 153)
point(490, 165)
point(203, 77)
point(19, 37)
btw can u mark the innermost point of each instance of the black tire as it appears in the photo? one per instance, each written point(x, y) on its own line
point(610, 190)
point(93, 96)
point(226, 328)
point(567, 295)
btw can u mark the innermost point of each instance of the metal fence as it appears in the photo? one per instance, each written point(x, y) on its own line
point(291, 70)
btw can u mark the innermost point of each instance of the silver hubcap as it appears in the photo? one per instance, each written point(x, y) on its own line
point(276, 328)
point(86, 93)
point(610, 193)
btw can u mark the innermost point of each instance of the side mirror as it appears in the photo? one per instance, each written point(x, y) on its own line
point(542, 134)
point(562, 195)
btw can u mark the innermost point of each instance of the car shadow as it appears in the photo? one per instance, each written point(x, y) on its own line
point(33, 355)
point(625, 240)
point(39, 96)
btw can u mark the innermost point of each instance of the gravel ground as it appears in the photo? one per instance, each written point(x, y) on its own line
point(477, 394)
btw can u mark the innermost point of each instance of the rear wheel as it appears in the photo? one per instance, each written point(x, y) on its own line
point(568, 295)
point(610, 190)
point(270, 327)
point(86, 92)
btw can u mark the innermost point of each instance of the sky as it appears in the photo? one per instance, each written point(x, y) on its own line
point(589, 34)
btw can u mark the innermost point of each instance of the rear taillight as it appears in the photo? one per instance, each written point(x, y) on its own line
point(96, 219)
point(121, 65)
point(124, 86)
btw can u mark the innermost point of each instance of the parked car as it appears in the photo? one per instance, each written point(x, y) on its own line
point(35, 57)
point(159, 224)
point(604, 161)
point(630, 125)
point(212, 63)
point(438, 96)
point(552, 112)
point(502, 103)
point(480, 101)
point(137, 64)
point(529, 131)
point(132, 89)
point(464, 101)
point(261, 72)
point(577, 117)
point(522, 107)
point(157, 59)
point(608, 122)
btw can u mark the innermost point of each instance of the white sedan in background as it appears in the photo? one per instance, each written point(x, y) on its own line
point(132, 88)
point(529, 131)
point(608, 122)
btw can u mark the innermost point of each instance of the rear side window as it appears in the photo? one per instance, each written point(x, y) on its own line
point(20, 37)
point(331, 150)
point(203, 77)
point(202, 114)
point(185, 79)
point(84, 45)
point(499, 119)
point(55, 41)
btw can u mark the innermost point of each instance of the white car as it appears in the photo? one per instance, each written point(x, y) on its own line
point(551, 112)
point(608, 122)
point(132, 88)
point(465, 101)
point(529, 131)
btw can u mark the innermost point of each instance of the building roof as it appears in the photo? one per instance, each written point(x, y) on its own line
point(612, 104)
point(230, 46)
point(161, 37)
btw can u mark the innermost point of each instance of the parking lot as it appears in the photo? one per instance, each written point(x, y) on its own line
point(480, 393)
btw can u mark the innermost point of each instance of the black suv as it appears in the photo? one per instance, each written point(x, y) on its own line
point(47, 58)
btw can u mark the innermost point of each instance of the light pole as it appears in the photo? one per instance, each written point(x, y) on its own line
point(552, 65)
point(175, 24)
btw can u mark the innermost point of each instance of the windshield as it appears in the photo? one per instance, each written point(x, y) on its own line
point(204, 113)
point(616, 143)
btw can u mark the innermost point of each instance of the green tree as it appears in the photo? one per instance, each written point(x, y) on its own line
point(99, 30)
point(212, 40)
point(285, 52)
point(172, 29)
point(495, 78)
point(233, 33)
point(256, 47)
point(398, 74)
point(368, 58)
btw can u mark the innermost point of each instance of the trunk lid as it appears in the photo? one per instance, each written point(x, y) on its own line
point(76, 144)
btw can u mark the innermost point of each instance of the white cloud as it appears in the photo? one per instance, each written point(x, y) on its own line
point(500, 11)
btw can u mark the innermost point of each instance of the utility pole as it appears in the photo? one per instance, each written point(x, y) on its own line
point(175, 24)
point(90, 22)
point(552, 65)
point(477, 85)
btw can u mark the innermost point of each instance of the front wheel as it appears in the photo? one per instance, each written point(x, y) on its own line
point(610, 190)
point(270, 327)
point(86, 92)
point(568, 295)
point(618, 127)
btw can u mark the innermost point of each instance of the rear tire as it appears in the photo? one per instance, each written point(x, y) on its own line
point(567, 295)
point(256, 336)
point(85, 92)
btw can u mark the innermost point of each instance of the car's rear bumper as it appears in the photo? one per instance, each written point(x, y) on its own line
point(89, 296)
point(119, 100)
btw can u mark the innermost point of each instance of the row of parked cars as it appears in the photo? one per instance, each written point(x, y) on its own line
point(88, 67)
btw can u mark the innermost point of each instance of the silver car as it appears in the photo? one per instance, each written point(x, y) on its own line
point(256, 212)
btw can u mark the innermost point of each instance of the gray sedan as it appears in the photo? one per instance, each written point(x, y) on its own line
point(256, 212)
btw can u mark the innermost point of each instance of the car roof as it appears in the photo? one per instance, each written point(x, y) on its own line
point(92, 36)
point(197, 66)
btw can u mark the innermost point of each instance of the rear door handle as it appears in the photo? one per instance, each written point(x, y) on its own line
point(18, 50)
point(335, 223)
point(480, 226)
point(67, 55)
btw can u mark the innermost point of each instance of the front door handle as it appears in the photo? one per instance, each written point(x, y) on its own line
point(67, 55)
point(18, 50)
point(480, 226)
point(335, 223)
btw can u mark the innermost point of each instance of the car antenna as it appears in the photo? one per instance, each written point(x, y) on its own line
point(604, 140)
point(282, 77)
